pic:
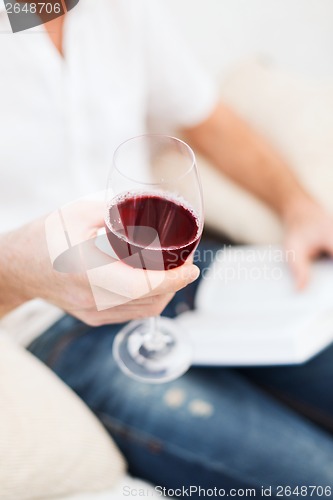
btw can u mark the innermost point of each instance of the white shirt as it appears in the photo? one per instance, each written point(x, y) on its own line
point(62, 118)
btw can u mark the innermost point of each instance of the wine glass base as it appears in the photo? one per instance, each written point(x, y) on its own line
point(153, 359)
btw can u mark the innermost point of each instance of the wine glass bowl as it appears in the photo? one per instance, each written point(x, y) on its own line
point(154, 221)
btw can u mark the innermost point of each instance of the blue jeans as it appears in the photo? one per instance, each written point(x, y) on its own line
point(213, 427)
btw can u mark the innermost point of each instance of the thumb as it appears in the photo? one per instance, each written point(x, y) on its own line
point(299, 262)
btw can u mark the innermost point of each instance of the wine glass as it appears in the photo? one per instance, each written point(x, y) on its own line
point(154, 221)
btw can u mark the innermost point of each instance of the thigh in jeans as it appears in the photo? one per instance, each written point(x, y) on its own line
point(307, 387)
point(210, 428)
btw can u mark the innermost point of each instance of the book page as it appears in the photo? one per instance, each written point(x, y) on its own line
point(248, 310)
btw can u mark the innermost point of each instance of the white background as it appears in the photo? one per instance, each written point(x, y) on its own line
point(295, 34)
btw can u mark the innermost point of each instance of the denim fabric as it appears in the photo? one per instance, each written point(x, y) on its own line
point(213, 427)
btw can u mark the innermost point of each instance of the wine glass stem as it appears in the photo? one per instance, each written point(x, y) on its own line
point(154, 339)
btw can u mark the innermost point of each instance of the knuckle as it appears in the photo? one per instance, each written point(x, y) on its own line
point(78, 294)
point(147, 311)
point(158, 304)
point(92, 320)
point(141, 314)
point(86, 302)
point(176, 284)
point(157, 308)
point(152, 300)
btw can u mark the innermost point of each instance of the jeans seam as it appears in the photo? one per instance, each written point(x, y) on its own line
point(155, 445)
point(303, 408)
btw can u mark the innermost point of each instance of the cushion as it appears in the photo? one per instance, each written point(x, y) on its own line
point(296, 116)
point(50, 443)
point(128, 487)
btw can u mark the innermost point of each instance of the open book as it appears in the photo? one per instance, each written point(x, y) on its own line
point(250, 313)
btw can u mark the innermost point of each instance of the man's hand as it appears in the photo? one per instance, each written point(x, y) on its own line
point(309, 233)
point(246, 157)
point(26, 271)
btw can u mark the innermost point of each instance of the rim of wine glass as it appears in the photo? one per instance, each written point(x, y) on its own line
point(192, 155)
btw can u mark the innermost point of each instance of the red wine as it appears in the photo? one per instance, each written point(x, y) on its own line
point(152, 232)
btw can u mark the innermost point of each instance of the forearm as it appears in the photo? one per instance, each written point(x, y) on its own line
point(26, 271)
point(13, 268)
point(243, 155)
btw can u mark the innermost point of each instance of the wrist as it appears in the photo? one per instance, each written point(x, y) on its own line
point(18, 266)
point(10, 291)
point(297, 207)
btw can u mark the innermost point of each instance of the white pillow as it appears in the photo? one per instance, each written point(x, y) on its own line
point(296, 116)
point(50, 442)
